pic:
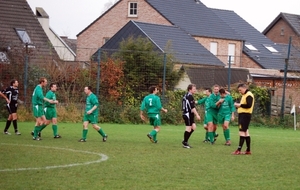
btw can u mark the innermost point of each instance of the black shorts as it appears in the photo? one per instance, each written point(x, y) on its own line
point(188, 119)
point(12, 108)
point(244, 121)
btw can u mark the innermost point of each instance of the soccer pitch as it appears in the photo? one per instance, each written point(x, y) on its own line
point(128, 160)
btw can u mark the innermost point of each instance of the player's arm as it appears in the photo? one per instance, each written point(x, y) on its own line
point(93, 109)
point(141, 111)
point(3, 95)
point(193, 110)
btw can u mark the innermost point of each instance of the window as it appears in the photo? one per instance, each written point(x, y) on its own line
point(214, 48)
point(105, 39)
point(250, 47)
point(23, 35)
point(3, 57)
point(132, 9)
point(231, 53)
point(270, 48)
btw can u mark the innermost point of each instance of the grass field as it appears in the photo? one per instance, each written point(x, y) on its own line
point(129, 161)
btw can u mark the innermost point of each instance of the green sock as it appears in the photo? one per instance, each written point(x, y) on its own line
point(42, 127)
point(206, 135)
point(54, 128)
point(227, 134)
point(101, 132)
point(153, 133)
point(36, 131)
point(84, 133)
point(211, 136)
point(154, 137)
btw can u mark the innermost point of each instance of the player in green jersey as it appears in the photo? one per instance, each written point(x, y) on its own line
point(212, 109)
point(91, 115)
point(50, 110)
point(208, 92)
point(152, 104)
point(225, 114)
point(37, 105)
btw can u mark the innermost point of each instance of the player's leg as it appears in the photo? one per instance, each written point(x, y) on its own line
point(8, 121)
point(226, 132)
point(188, 128)
point(84, 131)
point(94, 121)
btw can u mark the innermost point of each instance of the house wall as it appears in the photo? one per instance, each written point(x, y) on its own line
point(248, 63)
point(222, 50)
point(291, 90)
point(277, 35)
point(110, 23)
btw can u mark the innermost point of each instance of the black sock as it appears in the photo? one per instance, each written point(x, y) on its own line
point(190, 133)
point(186, 136)
point(241, 143)
point(248, 142)
point(15, 125)
point(8, 122)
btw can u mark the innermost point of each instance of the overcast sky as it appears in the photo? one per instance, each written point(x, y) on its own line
point(70, 17)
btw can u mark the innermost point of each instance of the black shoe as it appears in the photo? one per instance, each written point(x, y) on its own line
point(36, 139)
point(39, 134)
point(82, 140)
point(216, 136)
point(185, 145)
point(150, 137)
point(206, 141)
point(57, 136)
point(156, 141)
point(105, 138)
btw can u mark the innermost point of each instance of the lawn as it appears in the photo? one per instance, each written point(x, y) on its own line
point(128, 160)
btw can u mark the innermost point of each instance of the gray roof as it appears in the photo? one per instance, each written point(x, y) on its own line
point(207, 77)
point(195, 18)
point(18, 14)
point(292, 19)
point(184, 47)
point(265, 58)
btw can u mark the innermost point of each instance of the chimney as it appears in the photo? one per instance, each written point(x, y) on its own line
point(43, 18)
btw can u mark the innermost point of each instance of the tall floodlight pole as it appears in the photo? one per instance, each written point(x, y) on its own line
point(98, 72)
point(284, 79)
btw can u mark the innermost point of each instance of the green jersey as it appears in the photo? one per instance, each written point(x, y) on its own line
point(203, 101)
point(152, 104)
point(92, 101)
point(210, 103)
point(227, 107)
point(37, 96)
point(51, 96)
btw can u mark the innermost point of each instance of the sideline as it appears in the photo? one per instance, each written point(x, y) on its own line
point(103, 157)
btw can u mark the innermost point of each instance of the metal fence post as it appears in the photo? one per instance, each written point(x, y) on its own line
point(25, 73)
point(229, 72)
point(164, 78)
point(98, 72)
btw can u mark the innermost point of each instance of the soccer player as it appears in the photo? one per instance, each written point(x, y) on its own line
point(37, 105)
point(152, 104)
point(91, 115)
point(188, 113)
point(208, 92)
point(244, 109)
point(12, 93)
point(225, 114)
point(212, 108)
point(50, 110)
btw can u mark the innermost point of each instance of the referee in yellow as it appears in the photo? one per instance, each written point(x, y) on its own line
point(244, 109)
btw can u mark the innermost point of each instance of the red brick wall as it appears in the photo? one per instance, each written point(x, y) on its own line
point(277, 36)
point(110, 23)
point(222, 52)
point(248, 63)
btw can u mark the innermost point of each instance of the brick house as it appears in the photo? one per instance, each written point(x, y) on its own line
point(282, 27)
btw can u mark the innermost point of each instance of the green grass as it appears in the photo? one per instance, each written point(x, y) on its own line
point(135, 163)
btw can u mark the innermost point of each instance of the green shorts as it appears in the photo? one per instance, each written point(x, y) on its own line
point(224, 117)
point(205, 118)
point(212, 116)
point(50, 113)
point(37, 110)
point(91, 118)
point(154, 119)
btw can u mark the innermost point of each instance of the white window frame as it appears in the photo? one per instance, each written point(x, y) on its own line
point(231, 52)
point(213, 48)
point(132, 10)
point(23, 35)
point(250, 47)
point(270, 48)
